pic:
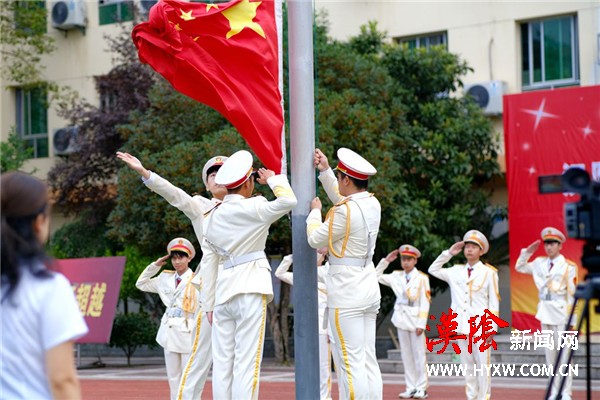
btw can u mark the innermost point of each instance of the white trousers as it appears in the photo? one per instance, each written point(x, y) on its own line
point(412, 350)
point(238, 337)
point(337, 361)
point(325, 366)
point(354, 335)
point(175, 363)
point(551, 355)
point(479, 385)
point(196, 370)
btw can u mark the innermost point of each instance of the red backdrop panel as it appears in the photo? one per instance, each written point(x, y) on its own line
point(545, 133)
point(96, 283)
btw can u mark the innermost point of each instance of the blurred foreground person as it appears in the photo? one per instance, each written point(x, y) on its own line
point(39, 313)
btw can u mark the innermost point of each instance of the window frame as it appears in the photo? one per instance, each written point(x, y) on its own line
point(543, 83)
point(120, 5)
point(424, 37)
point(23, 108)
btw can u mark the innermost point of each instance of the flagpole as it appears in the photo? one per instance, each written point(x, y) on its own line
point(302, 146)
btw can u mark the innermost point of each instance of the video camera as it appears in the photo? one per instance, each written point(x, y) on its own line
point(582, 219)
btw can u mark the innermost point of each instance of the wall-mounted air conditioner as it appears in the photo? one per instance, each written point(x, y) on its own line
point(69, 14)
point(488, 95)
point(65, 141)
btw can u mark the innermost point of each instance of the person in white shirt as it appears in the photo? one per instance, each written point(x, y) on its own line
point(413, 297)
point(350, 231)
point(282, 273)
point(236, 285)
point(556, 280)
point(40, 318)
point(180, 298)
point(474, 289)
point(195, 208)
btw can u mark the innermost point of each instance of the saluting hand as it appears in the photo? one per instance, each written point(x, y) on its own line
point(133, 163)
point(263, 175)
point(392, 256)
point(162, 261)
point(456, 248)
point(533, 246)
point(320, 161)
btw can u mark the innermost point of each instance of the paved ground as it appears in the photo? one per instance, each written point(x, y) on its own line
point(146, 379)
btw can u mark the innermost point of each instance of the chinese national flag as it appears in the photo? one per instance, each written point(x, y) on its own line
point(227, 56)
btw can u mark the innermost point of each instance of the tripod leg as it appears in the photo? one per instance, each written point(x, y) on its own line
point(560, 351)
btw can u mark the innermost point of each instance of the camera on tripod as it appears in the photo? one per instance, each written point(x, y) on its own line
point(582, 219)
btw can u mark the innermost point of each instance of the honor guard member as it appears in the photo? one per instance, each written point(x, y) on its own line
point(239, 289)
point(350, 232)
point(473, 288)
point(283, 274)
point(194, 207)
point(180, 298)
point(411, 310)
point(556, 279)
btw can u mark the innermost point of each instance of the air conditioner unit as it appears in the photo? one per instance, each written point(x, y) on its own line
point(144, 6)
point(69, 14)
point(65, 141)
point(488, 95)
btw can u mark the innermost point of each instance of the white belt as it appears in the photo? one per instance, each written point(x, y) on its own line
point(350, 261)
point(405, 302)
point(551, 297)
point(175, 312)
point(243, 259)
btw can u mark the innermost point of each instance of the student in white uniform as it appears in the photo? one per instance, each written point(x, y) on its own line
point(180, 298)
point(411, 310)
point(350, 231)
point(473, 288)
point(282, 273)
point(556, 280)
point(196, 372)
point(235, 293)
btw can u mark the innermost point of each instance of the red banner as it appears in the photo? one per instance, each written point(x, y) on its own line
point(545, 132)
point(96, 283)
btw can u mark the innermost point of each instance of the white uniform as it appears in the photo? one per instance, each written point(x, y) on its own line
point(353, 291)
point(197, 369)
point(238, 291)
point(178, 321)
point(556, 288)
point(282, 273)
point(410, 313)
point(471, 296)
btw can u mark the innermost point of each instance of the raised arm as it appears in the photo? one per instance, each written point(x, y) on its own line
point(523, 265)
point(436, 269)
point(285, 199)
point(327, 177)
point(382, 266)
point(282, 272)
point(146, 282)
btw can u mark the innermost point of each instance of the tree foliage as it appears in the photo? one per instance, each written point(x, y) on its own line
point(24, 40)
point(131, 331)
point(14, 153)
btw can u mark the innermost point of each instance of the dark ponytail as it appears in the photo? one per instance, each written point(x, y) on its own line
point(24, 198)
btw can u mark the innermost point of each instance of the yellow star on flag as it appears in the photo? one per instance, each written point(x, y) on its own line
point(209, 6)
point(187, 16)
point(241, 15)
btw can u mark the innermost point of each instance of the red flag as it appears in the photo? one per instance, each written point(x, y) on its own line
point(227, 56)
point(545, 132)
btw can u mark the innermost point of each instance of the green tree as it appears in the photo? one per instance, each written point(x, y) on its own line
point(14, 153)
point(131, 331)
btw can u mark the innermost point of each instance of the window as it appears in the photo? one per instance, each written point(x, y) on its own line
point(549, 53)
point(32, 119)
point(425, 41)
point(112, 11)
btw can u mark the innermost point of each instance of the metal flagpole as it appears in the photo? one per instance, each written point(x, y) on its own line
point(302, 146)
